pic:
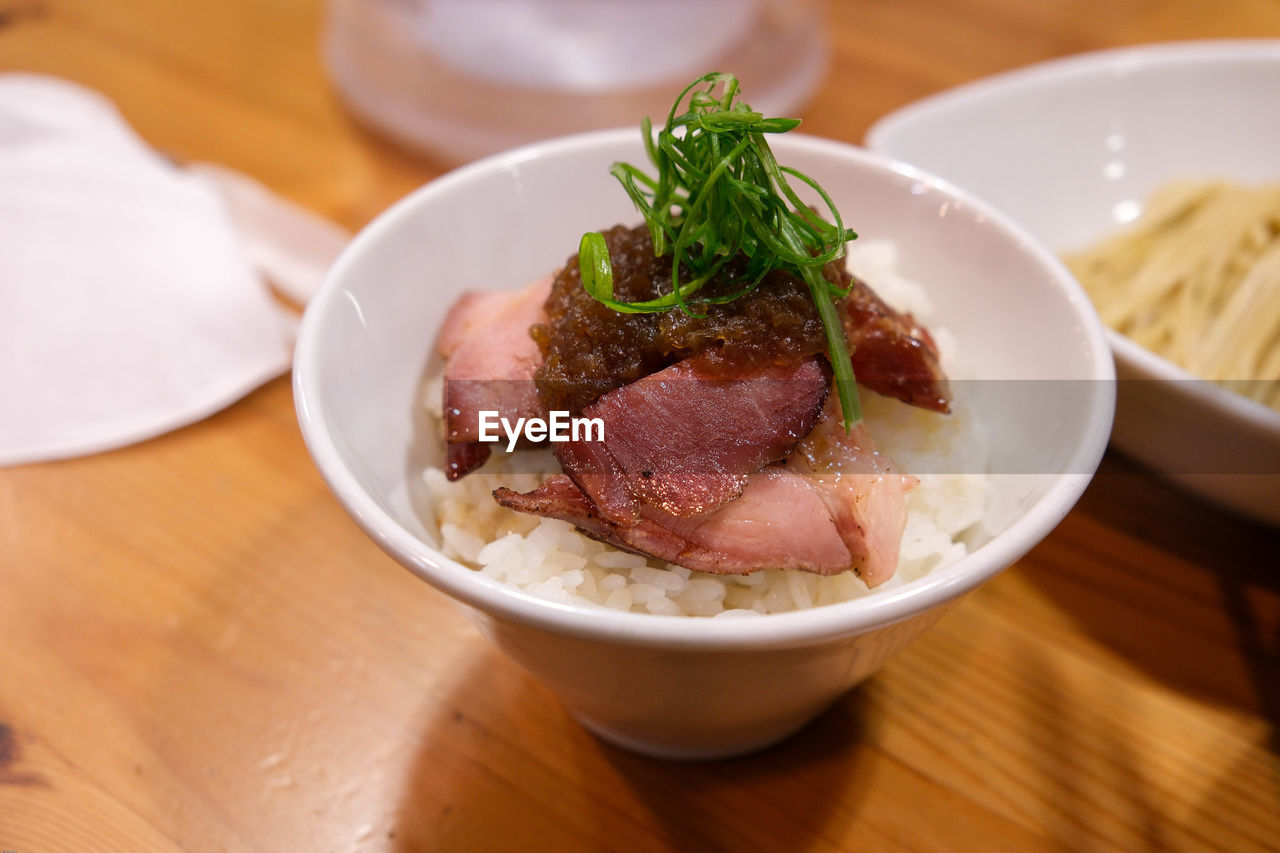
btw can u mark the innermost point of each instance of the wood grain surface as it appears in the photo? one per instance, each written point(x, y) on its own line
point(200, 651)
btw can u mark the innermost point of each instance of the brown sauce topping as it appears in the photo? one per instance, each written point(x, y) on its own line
point(590, 349)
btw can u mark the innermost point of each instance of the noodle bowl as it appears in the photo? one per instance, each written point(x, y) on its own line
point(1123, 123)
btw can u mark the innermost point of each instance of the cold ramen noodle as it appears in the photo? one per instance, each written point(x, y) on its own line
point(712, 359)
point(1196, 279)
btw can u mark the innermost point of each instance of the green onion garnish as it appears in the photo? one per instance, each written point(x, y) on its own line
point(719, 194)
point(597, 271)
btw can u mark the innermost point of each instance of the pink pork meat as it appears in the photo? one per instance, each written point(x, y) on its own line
point(685, 442)
point(835, 505)
point(490, 360)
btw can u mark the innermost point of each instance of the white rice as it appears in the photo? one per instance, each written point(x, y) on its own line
point(550, 559)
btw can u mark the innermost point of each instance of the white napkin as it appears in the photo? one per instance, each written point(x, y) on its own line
point(132, 299)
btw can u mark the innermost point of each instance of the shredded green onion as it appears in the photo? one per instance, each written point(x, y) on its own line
point(719, 193)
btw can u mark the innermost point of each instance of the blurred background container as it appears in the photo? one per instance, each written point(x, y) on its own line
point(458, 79)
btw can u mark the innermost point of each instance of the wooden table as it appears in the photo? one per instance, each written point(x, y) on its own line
point(198, 650)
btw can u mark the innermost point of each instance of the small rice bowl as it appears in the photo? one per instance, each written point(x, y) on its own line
point(551, 559)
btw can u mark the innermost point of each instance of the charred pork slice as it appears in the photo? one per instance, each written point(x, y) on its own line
point(891, 353)
point(684, 441)
point(490, 360)
point(836, 505)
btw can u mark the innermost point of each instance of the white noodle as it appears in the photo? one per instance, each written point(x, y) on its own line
point(1197, 280)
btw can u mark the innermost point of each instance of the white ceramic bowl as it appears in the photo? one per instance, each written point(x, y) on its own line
point(1071, 149)
point(665, 685)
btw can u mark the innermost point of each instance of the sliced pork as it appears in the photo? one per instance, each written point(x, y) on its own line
point(862, 490)
point(779, 521)
point(835, 505)
point(722, 450)
point(891, 353)
point(490, 360)
point(684, 441)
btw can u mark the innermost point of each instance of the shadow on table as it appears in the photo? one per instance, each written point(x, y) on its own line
point(1232, 583)
point(781, 798)
point(1209, 624)
point(1133, 500)
point(517, 772)
point(1094, 785)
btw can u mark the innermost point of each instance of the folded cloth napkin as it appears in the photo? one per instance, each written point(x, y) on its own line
point(132, 291)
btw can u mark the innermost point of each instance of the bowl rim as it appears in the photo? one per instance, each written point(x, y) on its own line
point(777, 630)
point(1159, 55)
point(1089, 63)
